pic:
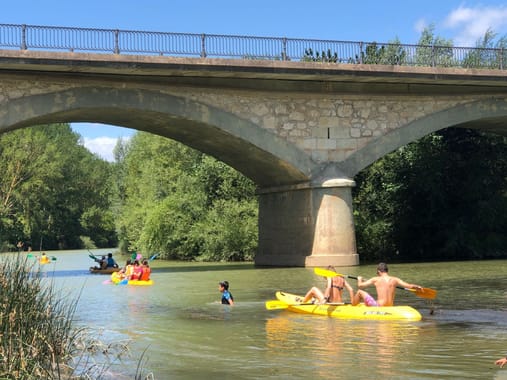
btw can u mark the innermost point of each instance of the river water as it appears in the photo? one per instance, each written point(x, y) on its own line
point(185, 333)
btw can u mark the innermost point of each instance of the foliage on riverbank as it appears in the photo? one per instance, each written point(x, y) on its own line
point(443, 197)
point(179, 202)
point(53, 192)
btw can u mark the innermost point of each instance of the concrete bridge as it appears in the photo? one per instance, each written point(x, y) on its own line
point(300, 130)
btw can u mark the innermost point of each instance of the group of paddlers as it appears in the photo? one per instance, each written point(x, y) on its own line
point(135, 270)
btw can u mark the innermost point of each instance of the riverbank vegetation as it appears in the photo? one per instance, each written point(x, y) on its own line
point(38, 338)
point(53, 191)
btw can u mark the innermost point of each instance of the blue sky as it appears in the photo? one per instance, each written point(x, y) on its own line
point(462, 21)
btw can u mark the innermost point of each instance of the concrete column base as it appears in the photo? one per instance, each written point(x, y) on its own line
point(307, 227)
point(347, 260)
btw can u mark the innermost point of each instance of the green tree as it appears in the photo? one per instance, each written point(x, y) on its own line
point(487, 52)
point(432, 50)
point(388, 54)
point(173, 203)
point(443, 197)
point(315, 56)
point(49, 180)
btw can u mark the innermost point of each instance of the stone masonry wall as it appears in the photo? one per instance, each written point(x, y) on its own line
point(328, 128)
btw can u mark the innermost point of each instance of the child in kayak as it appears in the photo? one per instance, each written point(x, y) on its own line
point(145, 275)
point(44, 259)
point(227, 298)
point(137, 271)
point(126, 271)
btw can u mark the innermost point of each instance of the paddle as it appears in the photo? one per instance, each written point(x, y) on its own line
point(153, 257)
point(92, 256)
point(422, 292)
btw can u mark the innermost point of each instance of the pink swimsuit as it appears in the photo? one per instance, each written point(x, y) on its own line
point(370, 301)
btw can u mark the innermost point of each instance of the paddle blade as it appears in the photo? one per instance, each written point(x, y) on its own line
point(276, 305)
point(424, 293)
point(327, 273)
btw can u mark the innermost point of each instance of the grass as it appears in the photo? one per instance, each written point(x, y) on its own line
point(37, 336)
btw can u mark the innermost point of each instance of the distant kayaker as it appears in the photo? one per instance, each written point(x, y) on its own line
point(501, 362)
point(145, 275)
point(126, 271)
point(111, 263)
point(333, 292)
point(102, 263)
point(44, 259)
point(227, 298)
point(385, 285)
point(137, 271)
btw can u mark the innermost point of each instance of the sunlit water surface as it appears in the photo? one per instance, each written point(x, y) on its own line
point(186, 334)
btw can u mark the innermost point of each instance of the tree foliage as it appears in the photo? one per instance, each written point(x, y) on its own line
point(388, 54)
point(443, 197)
point(184, 204)
point(324, 56)
point(488, 53)
point(51, 186)
point(433, 50)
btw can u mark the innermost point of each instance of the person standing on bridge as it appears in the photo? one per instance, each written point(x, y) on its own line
point(385, 285)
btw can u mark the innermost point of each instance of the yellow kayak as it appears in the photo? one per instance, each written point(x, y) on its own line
point(347, 311)
point(117, 280)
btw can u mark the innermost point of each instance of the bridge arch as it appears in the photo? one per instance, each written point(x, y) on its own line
point(487, 114)
point(260, 155)
point(301, 221)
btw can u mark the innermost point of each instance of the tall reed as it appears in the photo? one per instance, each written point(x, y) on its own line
point(37, 336)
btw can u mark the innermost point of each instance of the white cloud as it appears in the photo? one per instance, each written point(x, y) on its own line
point(102, 146)
point(471, 23)
point(420, 25)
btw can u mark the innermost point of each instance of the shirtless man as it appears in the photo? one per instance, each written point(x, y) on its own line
point(501, 362)
point(333, 292)
point(385, 285)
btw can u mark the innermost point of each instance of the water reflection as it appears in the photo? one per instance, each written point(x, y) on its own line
point(331, 344)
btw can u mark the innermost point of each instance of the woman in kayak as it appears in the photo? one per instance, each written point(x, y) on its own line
point(333, 292)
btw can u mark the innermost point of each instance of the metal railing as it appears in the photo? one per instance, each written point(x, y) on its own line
point(114, 41)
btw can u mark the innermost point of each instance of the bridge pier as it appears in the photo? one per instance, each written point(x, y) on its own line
point(310, 226)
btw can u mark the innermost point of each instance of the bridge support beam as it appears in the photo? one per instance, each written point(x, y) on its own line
point(311, 226)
